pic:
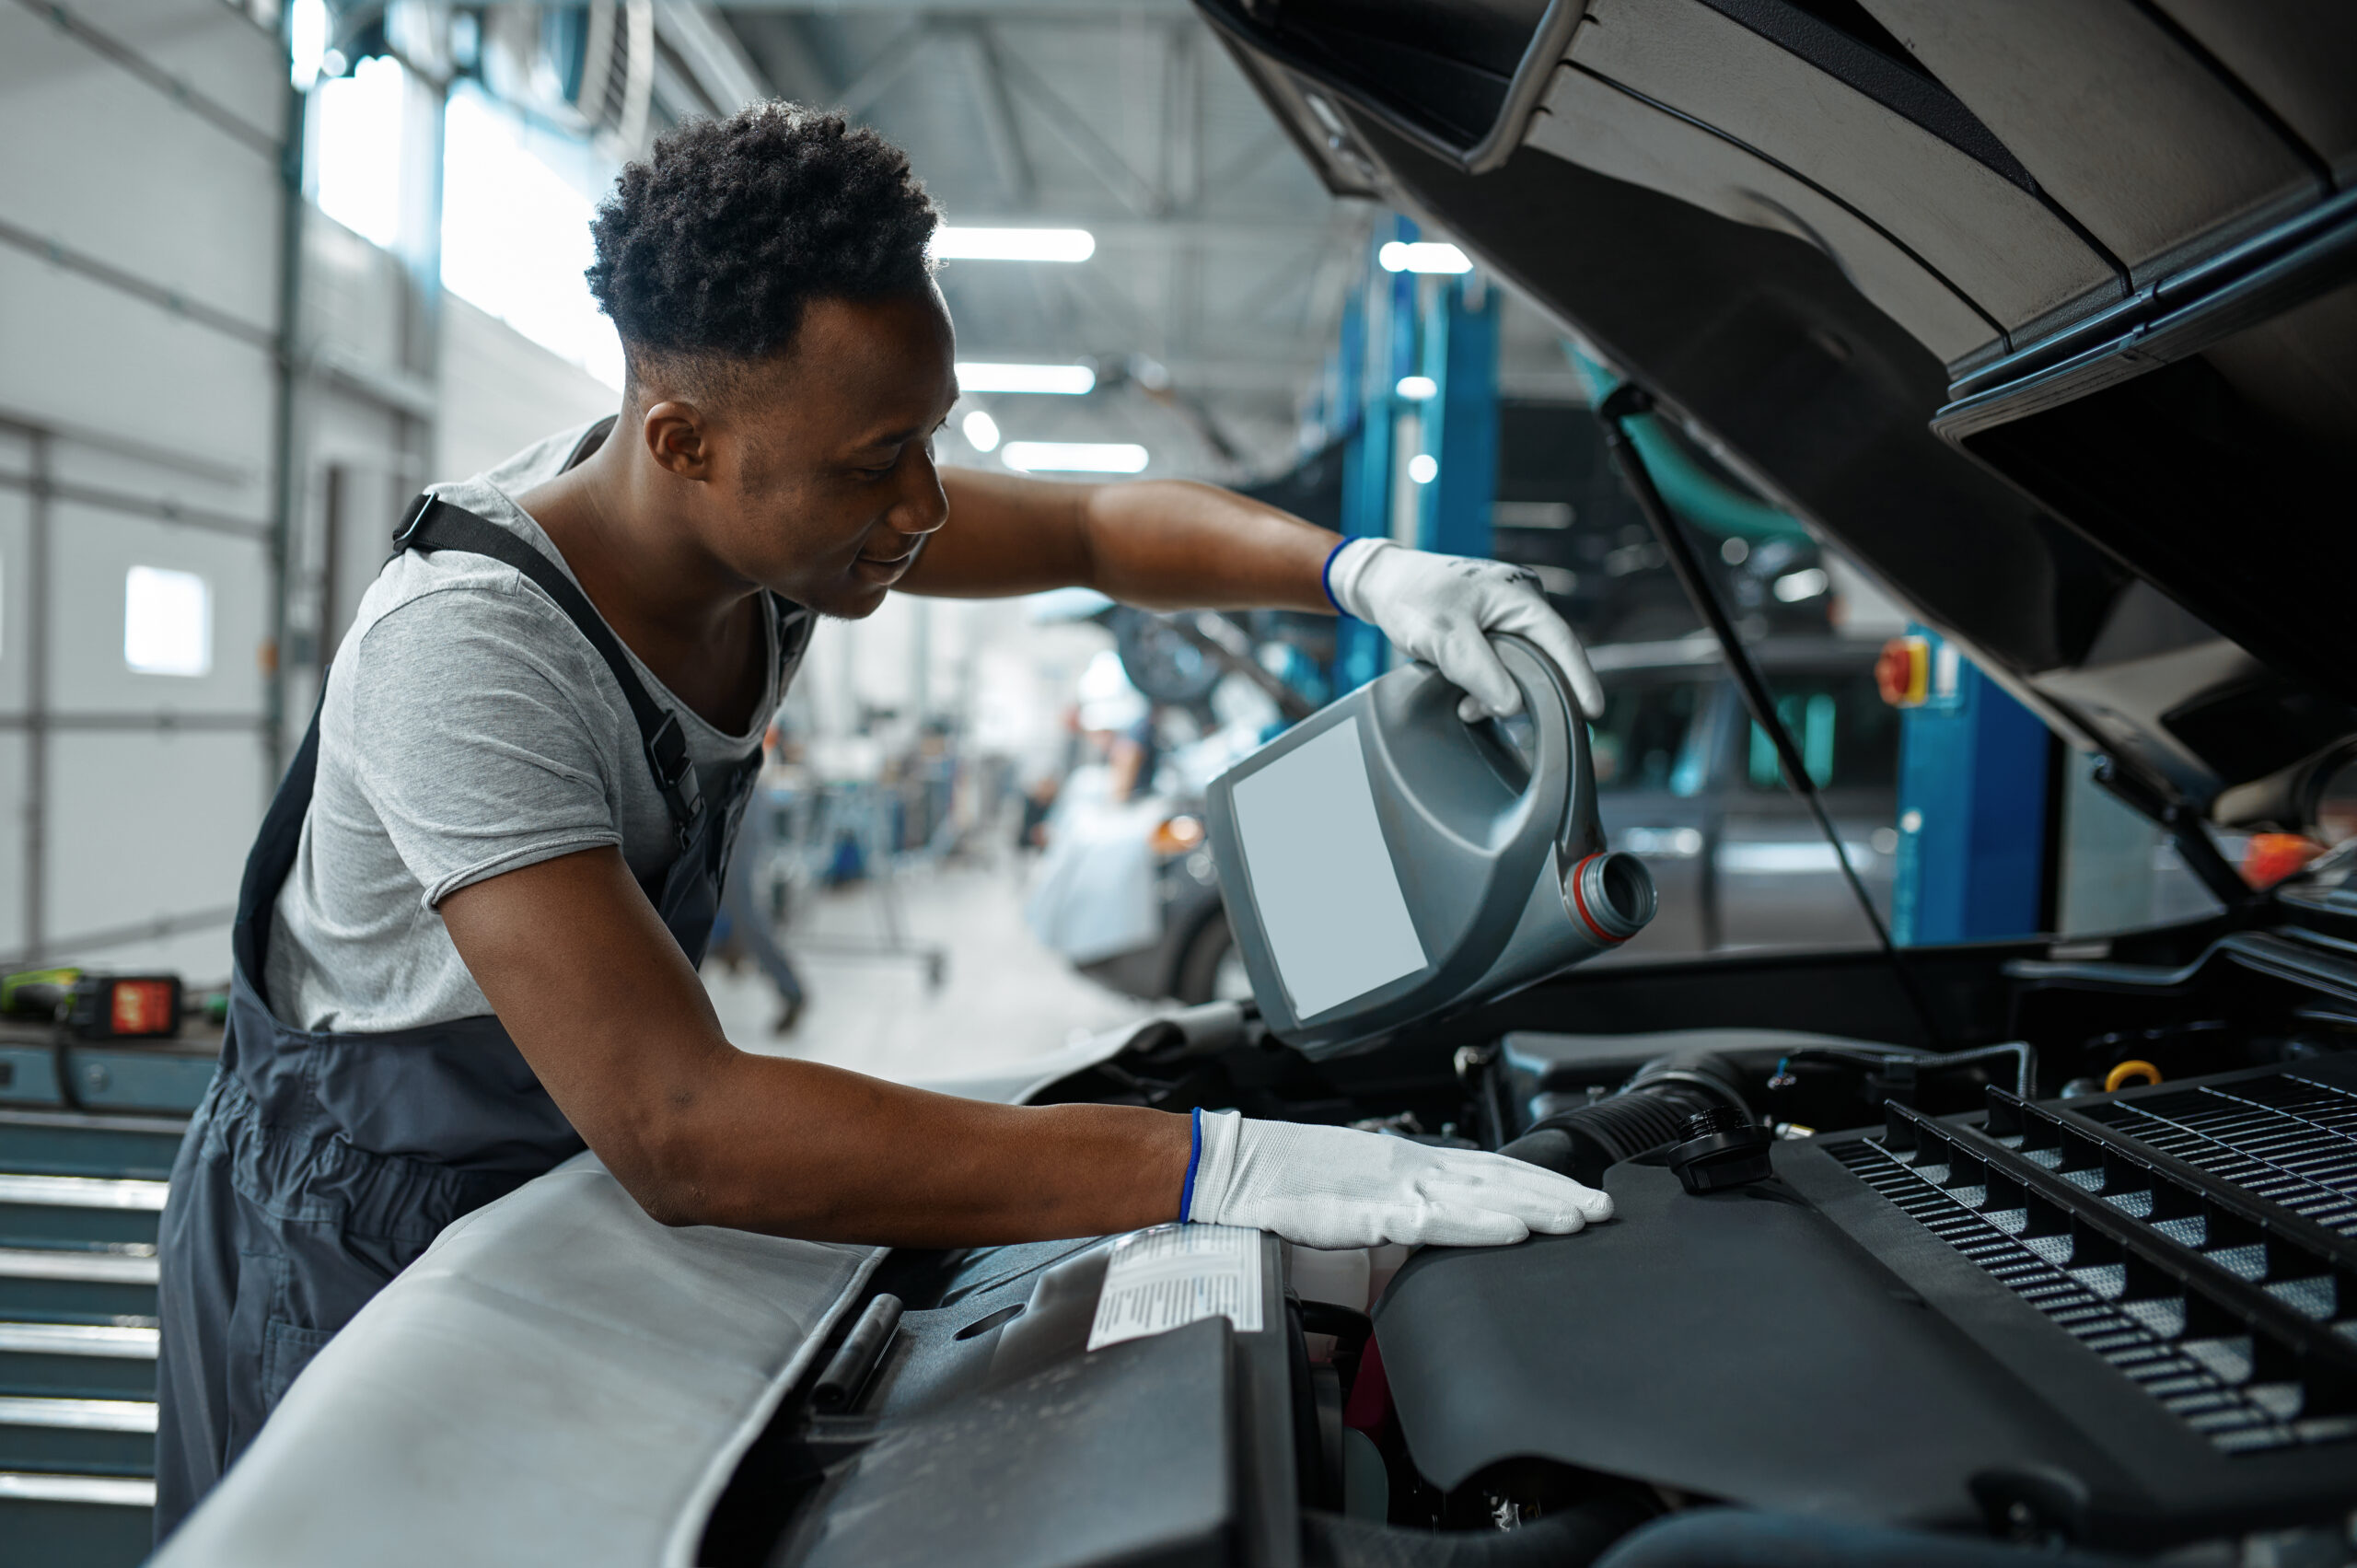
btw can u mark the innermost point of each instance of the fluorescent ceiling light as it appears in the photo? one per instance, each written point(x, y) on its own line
point(981, 431)
point(1075, 456)
point(1070, 380)
point(1416, 388)
point(1423, 468)
point(1423, 256)
point(1013, 244)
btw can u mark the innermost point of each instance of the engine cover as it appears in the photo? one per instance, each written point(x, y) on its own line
point(1931, 1326)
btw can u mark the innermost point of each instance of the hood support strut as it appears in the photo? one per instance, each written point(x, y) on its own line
point(1625, 401)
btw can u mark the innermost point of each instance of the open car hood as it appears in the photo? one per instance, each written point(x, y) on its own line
point(2045, 315)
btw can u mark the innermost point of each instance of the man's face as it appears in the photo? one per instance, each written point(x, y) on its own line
point(823, 484)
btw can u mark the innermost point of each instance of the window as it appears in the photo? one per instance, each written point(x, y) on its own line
point(1848, 736)
point(357, 154)
point(1645, 740)
point(166, 622)
point(515, 231)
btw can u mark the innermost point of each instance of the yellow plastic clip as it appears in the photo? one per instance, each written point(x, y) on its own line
point(2129, 1072)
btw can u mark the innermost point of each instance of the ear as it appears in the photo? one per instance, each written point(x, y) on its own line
point(678, 436)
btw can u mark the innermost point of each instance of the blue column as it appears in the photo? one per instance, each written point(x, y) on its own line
point(1461, 421)
point(1379, 330)
point(1972, 808)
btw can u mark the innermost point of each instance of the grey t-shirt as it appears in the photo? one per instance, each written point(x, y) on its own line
point(470, 729)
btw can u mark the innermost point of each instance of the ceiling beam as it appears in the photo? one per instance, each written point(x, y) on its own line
point(974, 46)
point(892, 63)
point(1081, 139)
point(788, 64)
point(710, 51)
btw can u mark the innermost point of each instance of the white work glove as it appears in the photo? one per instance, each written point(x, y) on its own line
point(1439, 609)
point(1336, 1186)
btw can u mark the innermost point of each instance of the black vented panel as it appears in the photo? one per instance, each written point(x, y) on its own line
point(2198, 1239)
point(2284, 1137)
point(2206, 1384)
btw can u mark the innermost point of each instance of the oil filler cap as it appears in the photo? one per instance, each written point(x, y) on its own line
point(1720, 1150)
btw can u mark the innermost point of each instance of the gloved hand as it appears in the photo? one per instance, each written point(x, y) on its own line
point(1336, 1186)
point(1439, 609)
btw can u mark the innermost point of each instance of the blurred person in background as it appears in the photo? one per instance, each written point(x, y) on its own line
point(467, 936)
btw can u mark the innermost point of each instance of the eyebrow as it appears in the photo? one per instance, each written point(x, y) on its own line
point(904, 434)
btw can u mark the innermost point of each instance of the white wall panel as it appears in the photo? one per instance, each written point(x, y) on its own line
point(147, 826)
point(200, 958)
point(91, 355)
point(91, 551)
point(12, 841)
point(14, 603)
point(500, 392)
point(353, 293)
point(209, 45)
point(142, 182)
point(169, 476)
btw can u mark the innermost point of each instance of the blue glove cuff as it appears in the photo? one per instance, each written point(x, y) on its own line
point(1326, 581)
point(1194, 1157)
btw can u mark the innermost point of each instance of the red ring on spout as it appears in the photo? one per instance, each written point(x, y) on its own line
point(1579, 902)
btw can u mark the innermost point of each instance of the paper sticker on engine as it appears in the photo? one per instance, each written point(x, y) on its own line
point(1176, 1274)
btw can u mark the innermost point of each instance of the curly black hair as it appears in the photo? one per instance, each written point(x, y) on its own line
point(712, 246)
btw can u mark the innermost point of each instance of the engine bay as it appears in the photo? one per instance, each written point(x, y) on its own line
point(2082, 1277)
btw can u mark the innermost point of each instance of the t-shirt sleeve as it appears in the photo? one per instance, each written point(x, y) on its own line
point(475, 738)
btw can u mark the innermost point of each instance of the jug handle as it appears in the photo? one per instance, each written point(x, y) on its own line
point(1556, 726)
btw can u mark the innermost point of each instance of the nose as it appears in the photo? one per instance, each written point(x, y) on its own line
point(923, 507)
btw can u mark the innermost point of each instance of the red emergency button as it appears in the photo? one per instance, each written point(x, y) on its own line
point(1903, 671)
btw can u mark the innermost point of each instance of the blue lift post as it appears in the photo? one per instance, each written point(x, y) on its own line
point(1378, 348)
point(1443, 328)
point(1972, 798)
point(1460, 422)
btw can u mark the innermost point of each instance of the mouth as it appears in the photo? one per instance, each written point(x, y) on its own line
point(873, 568)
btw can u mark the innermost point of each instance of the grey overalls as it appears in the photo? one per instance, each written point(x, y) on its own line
point(321, 1165)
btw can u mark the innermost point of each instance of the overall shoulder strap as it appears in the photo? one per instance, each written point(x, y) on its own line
point(434, 524)
point(795, 624)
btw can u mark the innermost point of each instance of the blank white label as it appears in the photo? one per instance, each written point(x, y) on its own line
point(1322, 877)
point(1176, 1274)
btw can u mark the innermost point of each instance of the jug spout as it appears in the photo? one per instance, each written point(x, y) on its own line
point(1611, 895)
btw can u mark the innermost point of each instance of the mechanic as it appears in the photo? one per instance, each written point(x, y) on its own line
point(467, 935)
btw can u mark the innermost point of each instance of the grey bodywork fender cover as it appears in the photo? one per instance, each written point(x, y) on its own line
point(558, 1380)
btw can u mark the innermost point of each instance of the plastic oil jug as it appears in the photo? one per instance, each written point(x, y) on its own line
point(1383, 860)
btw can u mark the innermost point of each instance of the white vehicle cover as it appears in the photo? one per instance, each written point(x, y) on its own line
point(559, 1379)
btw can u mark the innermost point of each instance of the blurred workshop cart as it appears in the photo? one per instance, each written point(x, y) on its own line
point(799, 838)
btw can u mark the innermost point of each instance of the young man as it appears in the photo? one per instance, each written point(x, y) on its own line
point(467, 936)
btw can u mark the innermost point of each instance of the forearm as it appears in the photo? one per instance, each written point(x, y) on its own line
point(1158, 544)
point(793, 1148)
point(1175, 545)
point(618, 1030)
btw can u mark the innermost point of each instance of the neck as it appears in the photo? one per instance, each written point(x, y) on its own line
point(625, 530)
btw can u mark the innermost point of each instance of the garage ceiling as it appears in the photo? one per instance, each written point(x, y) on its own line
point(1221, 262)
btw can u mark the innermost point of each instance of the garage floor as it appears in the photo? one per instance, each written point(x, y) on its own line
point(1005, 997)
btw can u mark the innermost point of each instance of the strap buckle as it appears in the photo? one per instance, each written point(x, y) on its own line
point(410, 519)
point(675, 776)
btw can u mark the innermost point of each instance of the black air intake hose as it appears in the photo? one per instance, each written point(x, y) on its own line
point(1647, 1112)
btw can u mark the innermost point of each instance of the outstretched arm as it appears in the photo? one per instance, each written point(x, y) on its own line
point(1166, 544)
point(604, 1006)
point(1160, 544)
